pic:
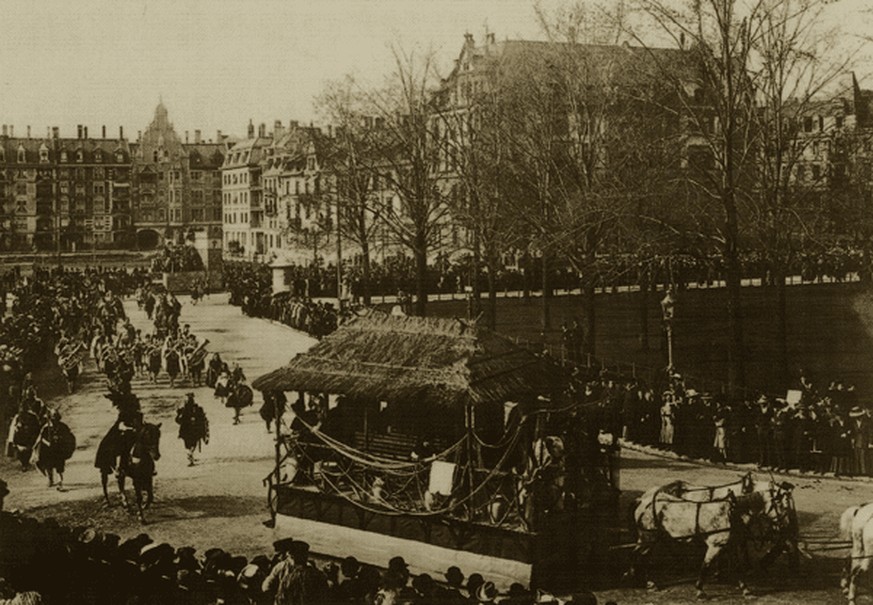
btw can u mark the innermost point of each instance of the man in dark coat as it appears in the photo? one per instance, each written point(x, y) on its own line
point(193, 426)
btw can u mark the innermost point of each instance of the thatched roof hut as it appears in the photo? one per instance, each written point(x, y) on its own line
point(448, 362)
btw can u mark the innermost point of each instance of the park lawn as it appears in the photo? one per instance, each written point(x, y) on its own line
point(830, 332)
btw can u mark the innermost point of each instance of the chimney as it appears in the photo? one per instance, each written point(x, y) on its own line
point(262, 130)
point(218, 136)
point(56, 132)
point(278, 129)
point(186, 137)
point(84, 132)
point(78, 131)
point(28, 131)
point(251, 130)
point(468, 40)
point(48, 132)
point(138, 136)
point(682, 40)
point(197, 136)
point(330, 130)
point(121, 132)
point(12, 130)
point(103, 132)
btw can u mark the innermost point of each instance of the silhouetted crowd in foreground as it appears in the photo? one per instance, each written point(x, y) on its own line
point(87, 566)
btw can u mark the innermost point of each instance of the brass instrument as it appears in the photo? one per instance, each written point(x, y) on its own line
point(198, 355)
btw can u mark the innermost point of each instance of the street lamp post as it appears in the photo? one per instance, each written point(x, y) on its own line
point(668, 304)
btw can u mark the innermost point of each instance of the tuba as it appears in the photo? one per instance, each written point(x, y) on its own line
point(72, 358)
point(198, 355)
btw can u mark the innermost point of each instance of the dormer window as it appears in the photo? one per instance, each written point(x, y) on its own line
point(98, 156)
point(119, 157)
point(21, 155)
point(43, 154)
point(80, 156)
point(64, 156)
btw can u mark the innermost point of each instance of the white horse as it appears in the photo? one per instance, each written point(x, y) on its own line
point(766, 514)
point(856, 524)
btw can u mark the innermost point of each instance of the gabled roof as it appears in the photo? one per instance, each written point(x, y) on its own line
point(415, 360)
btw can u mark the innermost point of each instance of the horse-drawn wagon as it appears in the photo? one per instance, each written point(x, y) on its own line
point(446, 441)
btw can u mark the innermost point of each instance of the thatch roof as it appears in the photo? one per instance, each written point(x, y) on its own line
point(415, 359)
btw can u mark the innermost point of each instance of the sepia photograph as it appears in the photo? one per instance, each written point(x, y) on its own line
point(436, 302)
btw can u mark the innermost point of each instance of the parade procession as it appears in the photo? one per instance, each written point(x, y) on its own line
point(562, 302)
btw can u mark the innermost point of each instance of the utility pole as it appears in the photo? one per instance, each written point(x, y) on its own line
point(339, 257)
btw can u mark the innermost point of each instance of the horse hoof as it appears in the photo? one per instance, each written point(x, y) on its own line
point(701, 596)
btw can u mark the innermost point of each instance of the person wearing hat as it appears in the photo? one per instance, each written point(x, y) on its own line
point(486, 593)
point(764, 431)
point(293, 580)
point(455, 580)
point(474, 581)
point(859, 422)
point(193, 426)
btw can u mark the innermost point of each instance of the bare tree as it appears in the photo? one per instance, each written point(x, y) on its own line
point(349, 163)
point(795, 67)
point(717, 107)
point(403, 155)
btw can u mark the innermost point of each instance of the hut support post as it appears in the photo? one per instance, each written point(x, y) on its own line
point(367, 428)
point(278, 472)
point(470, 457)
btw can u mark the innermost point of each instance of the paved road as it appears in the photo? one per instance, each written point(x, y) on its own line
point(221, 501)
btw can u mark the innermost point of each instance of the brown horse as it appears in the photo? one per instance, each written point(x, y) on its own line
point(132, 457)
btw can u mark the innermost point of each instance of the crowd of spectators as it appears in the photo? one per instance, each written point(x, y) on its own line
point(250, 288)
point(88, 566)
point(175, 258)
point(813, 428)
point(611, 271)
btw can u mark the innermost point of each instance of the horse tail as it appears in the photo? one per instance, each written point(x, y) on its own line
point(846, 521)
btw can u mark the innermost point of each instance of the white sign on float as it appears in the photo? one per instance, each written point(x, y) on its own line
point(442, 475)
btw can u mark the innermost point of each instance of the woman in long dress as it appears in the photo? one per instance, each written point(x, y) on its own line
point(667, 417)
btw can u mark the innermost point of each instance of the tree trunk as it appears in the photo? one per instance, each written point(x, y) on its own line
point(736, 366)
point(474, 276)
point(644, 309)
point(547, 294)
point(590, 317)
point(781, 326)
point(365, 271)
point(527, 263)
point(421, 277)
point(491, 311)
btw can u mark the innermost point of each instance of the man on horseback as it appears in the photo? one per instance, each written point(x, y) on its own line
point(193, 426)
point(115, 446)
